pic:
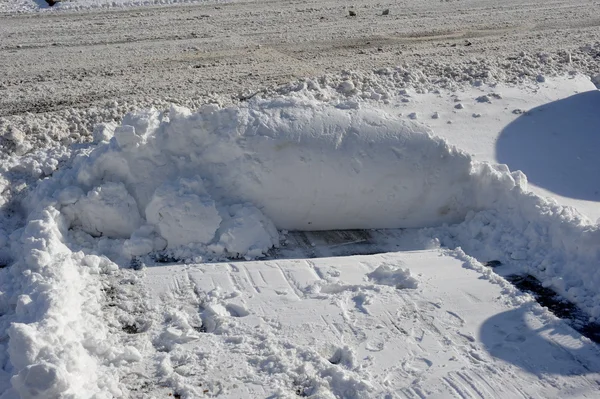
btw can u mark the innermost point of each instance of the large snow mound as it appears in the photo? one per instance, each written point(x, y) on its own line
point(227, 179)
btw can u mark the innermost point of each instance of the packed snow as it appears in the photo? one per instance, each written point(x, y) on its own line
point(352, 327)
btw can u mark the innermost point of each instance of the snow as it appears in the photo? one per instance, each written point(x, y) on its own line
point(106, 210)
point(389, 274)
point(183, 211)
point(229, 182)
point(227, 178)
point(51, 324)
point(218, 326)
point(121, 271)
point(552, 138)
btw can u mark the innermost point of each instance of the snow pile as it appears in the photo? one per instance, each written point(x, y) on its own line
point(51, 312)
point(223, 180)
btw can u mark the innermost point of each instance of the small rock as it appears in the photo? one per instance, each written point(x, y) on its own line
point(386, 12)
point(540, 78)
point(436, 115)
point(518, 111)
point(459, 106)
point(476, 115)
point(483, 99)
point(449, 122)
point(405, 100)
point(412, 115)
point(352, 13)
point(497, 96)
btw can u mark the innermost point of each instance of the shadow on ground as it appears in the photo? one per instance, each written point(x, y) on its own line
point(550, 348)
point(557, 145)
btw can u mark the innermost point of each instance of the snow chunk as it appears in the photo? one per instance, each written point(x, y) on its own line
point(247, 232)
point(42, 380)
point(103, 132)
point(183, 213)
point(107, 210)
point(392, 275)
point(126, 137)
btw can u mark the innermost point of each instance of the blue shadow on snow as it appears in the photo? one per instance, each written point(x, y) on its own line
point(557, 145)
point(541, 348)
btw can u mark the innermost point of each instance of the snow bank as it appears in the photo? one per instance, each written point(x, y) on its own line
point(223, 179)
point(52, 314)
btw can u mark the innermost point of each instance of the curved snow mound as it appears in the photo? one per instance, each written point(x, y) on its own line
point(229, 178)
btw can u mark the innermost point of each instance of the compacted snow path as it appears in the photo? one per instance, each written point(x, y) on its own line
point(397, 325)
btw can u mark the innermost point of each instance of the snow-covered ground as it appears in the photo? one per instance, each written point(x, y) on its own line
point(210, 250)
point(549, 131)
point(399, 325)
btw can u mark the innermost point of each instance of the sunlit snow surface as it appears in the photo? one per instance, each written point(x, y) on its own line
point(196, 186)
